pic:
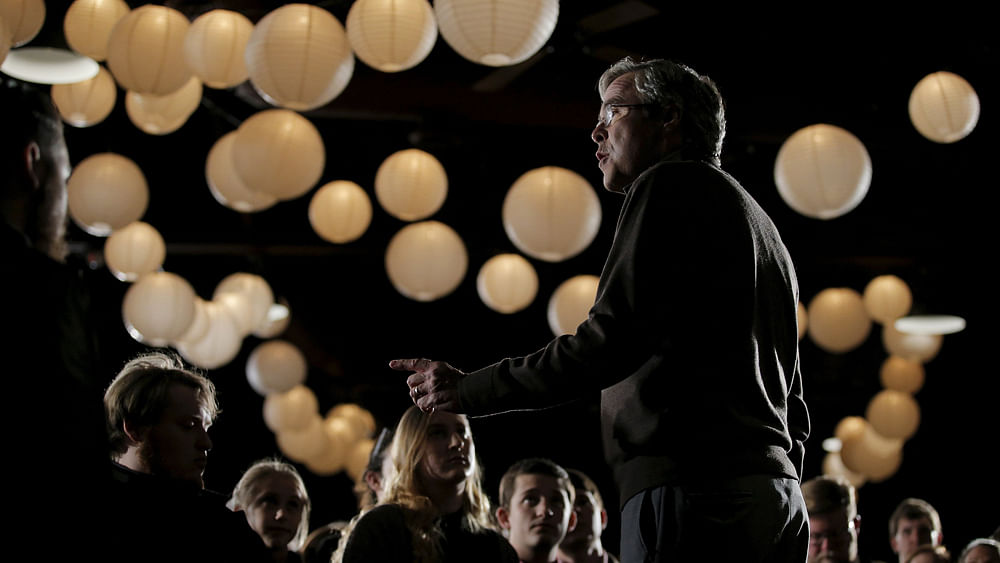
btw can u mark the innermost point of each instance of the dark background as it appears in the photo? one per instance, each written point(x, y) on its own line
point(928, 218)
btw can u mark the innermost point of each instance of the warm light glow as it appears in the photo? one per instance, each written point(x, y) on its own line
point(257, 295)
point(280, 153)
point(215, 45)
point(887, 298)
point(426, 261)
point(276, 366)
point(45, 65)
point(360, 421)
point(872, 455)
point(822, 171)
point(944, 107)
point(494, 32)
point(146, 50)
point(226, 185)
point(930, 324)
point(507, 283)
point(305, 444)
point(339, 443)
point(340, 212)
point(160, 115)
point(411, 184)
point(82, 104)
point(802, 318)
point(838, 321)
point(901, 374)
point(391, 35)
point(834, 466)
point(571, 302)
point(357, 458)
point(134, 250)
point(893, 414)
point(106, 191)
point(6, 38)
point(920, 348)
point(158, 308)
point(220, 343)
point(88, 24)
point(279, 315)
point(292, 410)
point(24, 18)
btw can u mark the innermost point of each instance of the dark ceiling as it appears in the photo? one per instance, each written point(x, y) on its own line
point(927, 218)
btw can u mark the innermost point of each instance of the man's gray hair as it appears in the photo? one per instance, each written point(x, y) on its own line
point(696, 98)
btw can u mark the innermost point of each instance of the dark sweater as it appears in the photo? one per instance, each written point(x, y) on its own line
point(693, 340)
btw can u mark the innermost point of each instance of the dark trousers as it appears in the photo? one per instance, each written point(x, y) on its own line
point(749, 519)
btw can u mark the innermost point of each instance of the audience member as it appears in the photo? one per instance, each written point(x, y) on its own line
point(914, 523)
point(536, 508)
point(928, 553)
point(583, 542)
point(322, 542)
point(981, 550)
point(834, 522)
point(158, 415)
point(434, 508)
point(273, 496)
point(370, 488)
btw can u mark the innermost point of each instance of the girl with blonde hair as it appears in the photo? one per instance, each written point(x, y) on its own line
point(273, 496)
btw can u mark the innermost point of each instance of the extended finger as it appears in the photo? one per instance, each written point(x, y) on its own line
point(410, 364)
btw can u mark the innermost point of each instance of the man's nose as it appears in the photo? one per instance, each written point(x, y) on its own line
point(457, 441)
point(599, 133)
point(204, 441)
point(544, 508)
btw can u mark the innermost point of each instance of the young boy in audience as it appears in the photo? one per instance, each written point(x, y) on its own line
point(583, 543)
point(536, 508)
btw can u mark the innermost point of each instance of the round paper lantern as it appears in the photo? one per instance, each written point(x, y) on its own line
point(159, 115)
point(901, 374)
point(919, 348)
point(507, 283)
point(106, 191)
point(838, 321)
point(872, 455)
point(279, 152)
point(551, 213)
point(276, 366)
point(834, 466)
point(802, 317)
point(158, 308)
point(257, 294)
point(82, 104)
point(88, 24)
point(221, 342)
point(279, 315)
point(24, 19)
point(411, 185)
point(357, 458)
point(944, 107)
point(391, 36)
point(6, 39)
point(360, 421)
point(338, 447)
point(134, 250)
point(495, 33)
point(850, 428)
point(426, 261)
point(887, 298)
point(226, 185)
point(298, 57)
point(215, 45)
point(199, 325)
point(293, 410)
point(822, 171)
point(340, 211)
point(893, 414)
point(304, 444)
point(146, 50)
point(571, 302)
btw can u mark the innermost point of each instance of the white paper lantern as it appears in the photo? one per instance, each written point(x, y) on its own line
point(930, 324)
point(411, 184)
point(226, 185)
point(276, 366)
point(221, 342)
point(496, 32)
point(872, 455)
point(106, 191)
point(426, 261)
point(340, 211)
point(199, 325)
point(823, 171)
point(834, 466)
point(893, 414)
point(507, 283)
point(146, 50)
point(887, 298)
point(838, 321)
point(279, 153)
point(305, 444)
point(850, 428)
point(298, 57)
point(257, 298)
point(279, 315)
point(357, 459)
point(802, 317)
point(82, 104)
point(339, 446)
point(360, 421)
point(215, 45)
point(134, 250)
point(88, 24)
point(391, 35)
point(158, 308)
point(944, 107)
point(571, 302)
point(920, 348)
point(160, 115)
point(551, 213)
point(6, 39)
point(24, 19)
point(292, 410)
point(901, 374)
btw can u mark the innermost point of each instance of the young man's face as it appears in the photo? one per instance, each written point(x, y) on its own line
point(833, 538)
point(177, 445)
point(538, 517)
point(912, 533)
point(591, 520)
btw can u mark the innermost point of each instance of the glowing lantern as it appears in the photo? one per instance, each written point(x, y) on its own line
point(426, 261)
point(339, 444)
point(257, 299)
point(298, 57)
point(146, 50)
point(507, 283)
point(221, 342)
point(134, 250)
point(411, 185)
point(893, 414)
point(280, 153)
point(159, 115)
point(88, 24)
point(158, 308)
point(872, 455)
point(199, 325)
point(307, 443)
point(833, 465)
point(278, 317)
point(551, 213)
point(360, 421)
point(919, 348)
point(887, 298)
point(106, 191)
point(571, 302)
point(391, 36)
point(494, 32)
point(226, 185)
point(215, 45)
point(822, 171)
point(357, 458)
point(850, 428)
point(340, 211)
point(6, 38)
point(803, 319)
point(901, 374)
point(944, 107)
point(838, 321)
point(276, 366)
point(82, 104)
point(293, 410)
point(24, 19)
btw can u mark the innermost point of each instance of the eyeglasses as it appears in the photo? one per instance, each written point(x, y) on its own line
point(834, 537)
point(610, 112)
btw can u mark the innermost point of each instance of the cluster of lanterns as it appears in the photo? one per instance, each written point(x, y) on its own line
point(838, 320)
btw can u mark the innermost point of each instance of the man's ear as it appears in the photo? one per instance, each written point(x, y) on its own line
point(572, 521)
point(604, 519)
point(503, 518)
point(373, 480)
point(671, 119)
point(136, 434)
point(33, 163)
